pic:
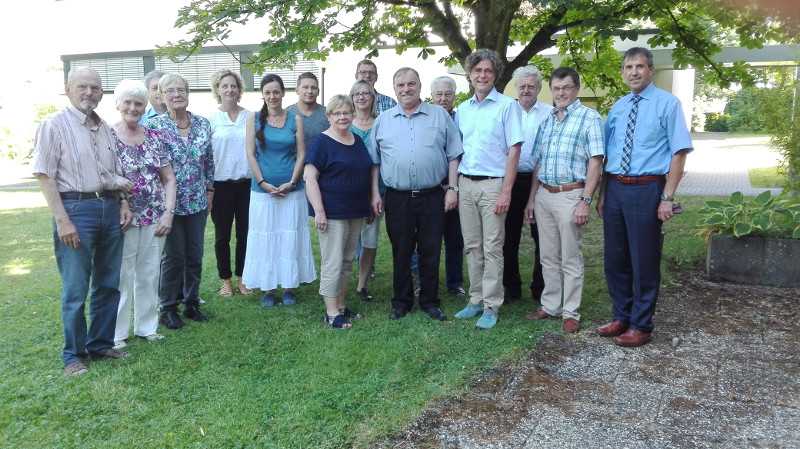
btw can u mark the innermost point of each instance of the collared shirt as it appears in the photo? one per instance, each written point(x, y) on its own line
point(80, 156)
point(414, 151)
point(488, 129)
point(148, 114)
point(660, 132)
point(562, 149)
point(192, 159)
point(531, 120)
point(384, 102)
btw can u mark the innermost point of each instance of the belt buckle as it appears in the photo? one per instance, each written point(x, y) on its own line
point(414, 193)
point(98, 195)
point(620, 178)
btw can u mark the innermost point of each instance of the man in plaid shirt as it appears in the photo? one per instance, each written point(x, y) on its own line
point(568, 159)
point(366, 70)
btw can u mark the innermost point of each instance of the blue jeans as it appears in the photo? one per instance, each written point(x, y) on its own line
point(632, 244)
point(97, 259)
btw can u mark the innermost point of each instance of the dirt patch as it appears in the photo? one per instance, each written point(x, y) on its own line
point(723, 370)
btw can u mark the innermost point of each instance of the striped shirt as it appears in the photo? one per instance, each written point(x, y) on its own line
point(80, 156)
point(563, 148)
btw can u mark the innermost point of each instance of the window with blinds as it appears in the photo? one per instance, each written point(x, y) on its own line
point(197, 69)
point(289, 76)
point(113, 70)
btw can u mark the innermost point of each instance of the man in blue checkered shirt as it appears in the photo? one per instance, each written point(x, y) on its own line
point(366, 70)
point(568, 159)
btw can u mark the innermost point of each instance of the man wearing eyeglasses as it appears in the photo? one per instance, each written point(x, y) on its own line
point(366, 70)
point(414, 145)
point(567, 159)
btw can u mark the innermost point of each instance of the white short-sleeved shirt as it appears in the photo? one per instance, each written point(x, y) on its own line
point(227, 141)
point(531, 120)
point(488, 129)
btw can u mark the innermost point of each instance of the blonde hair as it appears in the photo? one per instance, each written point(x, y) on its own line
point(337, 102)
point(216, 78)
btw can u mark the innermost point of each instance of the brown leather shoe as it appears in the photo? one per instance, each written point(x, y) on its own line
point(633, 338)
point(612, 329)
point(539, 314)
point(571, 325)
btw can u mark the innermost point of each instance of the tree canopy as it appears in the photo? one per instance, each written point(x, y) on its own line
point(519, 30)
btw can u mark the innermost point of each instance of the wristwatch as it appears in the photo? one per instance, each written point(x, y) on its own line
point(453, 188)
point(665, 197)
point(586, 199)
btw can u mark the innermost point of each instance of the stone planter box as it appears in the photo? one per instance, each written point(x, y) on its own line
point(754, 260)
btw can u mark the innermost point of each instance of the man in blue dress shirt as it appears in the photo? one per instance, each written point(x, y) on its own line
point(646, 146)
point(416, 145)
point(491, 130)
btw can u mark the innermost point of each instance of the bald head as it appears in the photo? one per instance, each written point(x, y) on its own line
point(84, 89)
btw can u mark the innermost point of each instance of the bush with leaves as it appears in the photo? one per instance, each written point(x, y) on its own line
point(763, 215)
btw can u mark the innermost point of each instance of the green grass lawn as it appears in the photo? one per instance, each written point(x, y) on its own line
point(768, 177)
point(252, 377)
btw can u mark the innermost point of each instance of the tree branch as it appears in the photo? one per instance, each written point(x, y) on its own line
point(446, 25)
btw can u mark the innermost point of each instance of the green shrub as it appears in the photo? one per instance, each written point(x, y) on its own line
point(716, 122)
point(763, 215)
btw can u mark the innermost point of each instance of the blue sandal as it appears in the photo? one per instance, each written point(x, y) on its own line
point(337, 322)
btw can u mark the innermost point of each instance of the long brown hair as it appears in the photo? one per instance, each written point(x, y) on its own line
point(262, 114)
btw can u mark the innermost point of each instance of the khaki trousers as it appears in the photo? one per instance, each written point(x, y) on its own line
point(138, 284)
point(337, 247)
point(484, 234)
point(562, 260)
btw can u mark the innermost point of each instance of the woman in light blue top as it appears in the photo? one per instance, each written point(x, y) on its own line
point(278, 241)
point(364, 100)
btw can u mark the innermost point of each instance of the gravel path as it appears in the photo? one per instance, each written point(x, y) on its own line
point(722, 372)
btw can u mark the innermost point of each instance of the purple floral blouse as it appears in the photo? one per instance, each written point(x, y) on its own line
point(141, 165)
point(192, 159)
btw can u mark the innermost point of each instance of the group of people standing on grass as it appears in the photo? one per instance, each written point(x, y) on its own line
point(130, 201)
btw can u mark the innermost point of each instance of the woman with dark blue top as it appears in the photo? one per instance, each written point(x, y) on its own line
point(337, 176)
point(278, 241)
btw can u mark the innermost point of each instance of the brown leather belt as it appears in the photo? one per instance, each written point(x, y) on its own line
point(636, 179)
point(563, 187)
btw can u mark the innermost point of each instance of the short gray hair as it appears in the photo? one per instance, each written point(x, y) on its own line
point(450, 82)
point(337, 101)
point(152, 75)
point(130, 89)
point(527, 71)
point(484, 54)
point(169, 78)
point(404, 70)
point(81, 69)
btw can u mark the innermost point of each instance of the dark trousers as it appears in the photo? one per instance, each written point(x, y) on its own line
point(231, 202)
point(182, 262)
point(632, 245)
point(514, 221)
point(415, 222)
point(453, 250)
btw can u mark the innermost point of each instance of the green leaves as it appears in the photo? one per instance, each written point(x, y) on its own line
point(762, 215)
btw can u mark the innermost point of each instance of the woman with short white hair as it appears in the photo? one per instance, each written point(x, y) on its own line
point(187, 138)
point(145, 163)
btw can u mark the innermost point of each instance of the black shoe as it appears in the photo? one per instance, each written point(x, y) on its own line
point(397, 314)
point(171, 319)
point(512, 295)
point(457, 291)
point(364, 295)
point(108, 353)
point(194, 314)
point(435, 313)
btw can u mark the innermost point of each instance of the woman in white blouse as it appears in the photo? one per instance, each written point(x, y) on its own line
point(231, 178)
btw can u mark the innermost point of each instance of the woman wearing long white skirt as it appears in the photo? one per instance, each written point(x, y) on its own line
point(278, 241)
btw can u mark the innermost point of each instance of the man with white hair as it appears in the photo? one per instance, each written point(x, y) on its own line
point(443, 93)
point(529, 84)
point(157, 105)
point(80, 177)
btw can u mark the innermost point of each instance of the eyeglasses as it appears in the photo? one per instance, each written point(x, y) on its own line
point(368, 72)
point(175, 90)
point(563, 88)
point(338, 114)
point(362, 94)
point(444, 94)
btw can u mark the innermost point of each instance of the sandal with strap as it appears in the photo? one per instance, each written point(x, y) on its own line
point(244, 290)
point(337, 322)
point(225, 290)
